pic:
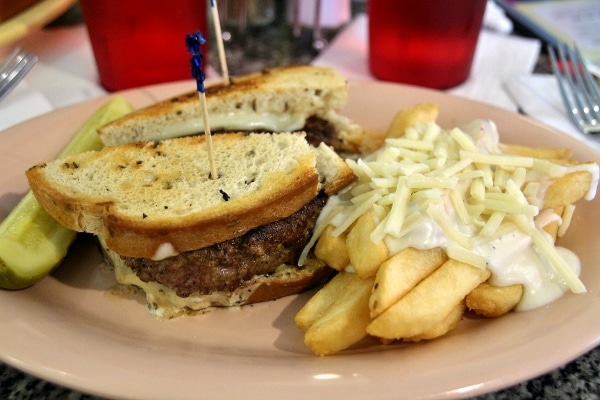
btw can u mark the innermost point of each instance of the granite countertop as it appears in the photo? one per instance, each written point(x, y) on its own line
point(579, 379)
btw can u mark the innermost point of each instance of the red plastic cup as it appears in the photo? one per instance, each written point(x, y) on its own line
point(427, 43)
point(142, 42)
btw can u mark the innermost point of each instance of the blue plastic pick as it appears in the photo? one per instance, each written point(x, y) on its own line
point(193, 42)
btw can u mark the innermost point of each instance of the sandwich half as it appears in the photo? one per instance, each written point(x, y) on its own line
point(283, 99)
point(189, 241)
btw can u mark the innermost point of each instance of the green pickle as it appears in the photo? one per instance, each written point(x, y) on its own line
point(32, 243)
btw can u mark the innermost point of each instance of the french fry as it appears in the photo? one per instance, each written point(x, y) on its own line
point(400, 273)
point(332, 249)
point(344, 322)
point(567, 189)
point(444, 326)
point(419, 113)
point(365, 255)
point(320, 301)
point(494, 301)
point(429, 302)
point(547, 153)
point(373, 140)
point(553, 226)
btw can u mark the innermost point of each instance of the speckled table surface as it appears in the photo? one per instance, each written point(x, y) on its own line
point(579, 379)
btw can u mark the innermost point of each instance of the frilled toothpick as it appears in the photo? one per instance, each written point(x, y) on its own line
point(193, 42)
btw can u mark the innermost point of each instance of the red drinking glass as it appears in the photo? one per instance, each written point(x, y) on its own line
point(427, 43)
point(142, 42)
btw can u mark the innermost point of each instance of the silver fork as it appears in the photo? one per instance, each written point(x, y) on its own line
point(578, 88)
point(14, 69)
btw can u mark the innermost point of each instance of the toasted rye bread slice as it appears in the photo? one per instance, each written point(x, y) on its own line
point(273, 100)
point(156, 199)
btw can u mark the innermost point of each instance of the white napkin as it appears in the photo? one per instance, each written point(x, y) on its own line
point(497, 58)
point(22, 103)
point(495, 18)
point(538, 96)
point(491, 65)
point(54, 88)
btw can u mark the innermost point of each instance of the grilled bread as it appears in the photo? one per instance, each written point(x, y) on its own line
point(282, 99)
point(156, 199)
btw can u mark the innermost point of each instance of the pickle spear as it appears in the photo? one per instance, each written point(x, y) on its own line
point(32, 243)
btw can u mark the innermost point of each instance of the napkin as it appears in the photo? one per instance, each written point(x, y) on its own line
point(44, 89)
point(22, 103)
point(491, 67)
point(348, 53)
point(538, 96)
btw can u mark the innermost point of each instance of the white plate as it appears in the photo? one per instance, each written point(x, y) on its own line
point(68, 330)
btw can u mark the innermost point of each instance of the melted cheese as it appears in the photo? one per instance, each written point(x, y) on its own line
point(237, 121)
point(164, 250)
point(163, 302)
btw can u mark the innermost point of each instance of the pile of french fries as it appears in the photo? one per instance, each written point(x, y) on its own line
point(415, 292)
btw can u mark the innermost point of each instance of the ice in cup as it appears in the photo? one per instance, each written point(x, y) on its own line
point(427, 43)
point(142, 42)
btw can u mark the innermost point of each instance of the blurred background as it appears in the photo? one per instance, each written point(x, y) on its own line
point(256, 33)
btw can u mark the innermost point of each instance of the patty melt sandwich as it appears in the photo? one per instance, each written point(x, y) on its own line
point(190, 242)
point(193, 243)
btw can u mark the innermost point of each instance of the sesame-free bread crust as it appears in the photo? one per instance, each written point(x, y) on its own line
point(276, 99)
point(154, 200)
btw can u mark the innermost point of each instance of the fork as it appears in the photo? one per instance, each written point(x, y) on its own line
point(14, 69)
point(578, 88)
